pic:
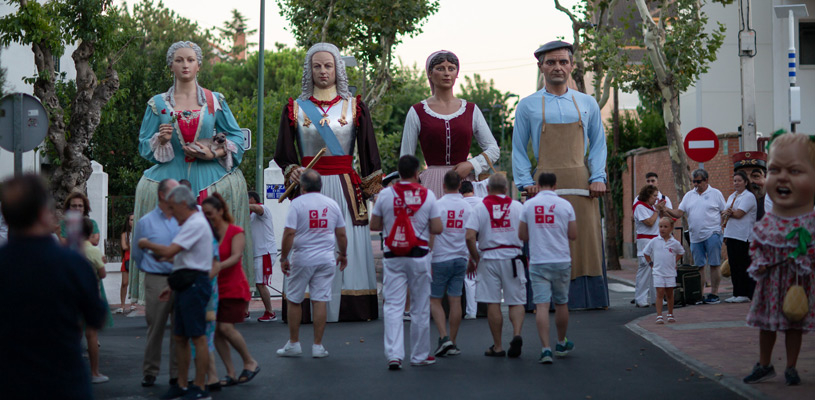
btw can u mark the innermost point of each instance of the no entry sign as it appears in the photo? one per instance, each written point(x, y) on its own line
point(701, 144)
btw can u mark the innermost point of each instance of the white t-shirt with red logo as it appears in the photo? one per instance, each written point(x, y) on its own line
point(452, 242)
point(473, 201)
point(663, 254)
point(314, 218)
point(497, 227)
point(420, 219)
point(547, 218)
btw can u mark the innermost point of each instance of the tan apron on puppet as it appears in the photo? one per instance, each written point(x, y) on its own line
point(562, 152)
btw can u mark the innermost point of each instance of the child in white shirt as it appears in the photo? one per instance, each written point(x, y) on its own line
point(662, 254)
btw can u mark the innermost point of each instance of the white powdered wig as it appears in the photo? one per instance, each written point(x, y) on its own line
point(170, 95)
point(339, 69)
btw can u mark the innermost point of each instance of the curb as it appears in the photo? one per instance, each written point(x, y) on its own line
point(621, 280)
point(731, 383)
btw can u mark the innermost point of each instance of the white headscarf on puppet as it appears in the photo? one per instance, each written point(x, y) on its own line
point(339, 71)
point(170, 95)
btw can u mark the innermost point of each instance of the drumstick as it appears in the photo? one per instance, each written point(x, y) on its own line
point(293, 184)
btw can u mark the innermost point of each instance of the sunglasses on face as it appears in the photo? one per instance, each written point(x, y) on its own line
point(698, 180)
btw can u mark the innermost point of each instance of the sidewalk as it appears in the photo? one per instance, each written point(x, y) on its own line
point(715, 341)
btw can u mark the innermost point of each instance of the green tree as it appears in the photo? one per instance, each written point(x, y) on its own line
point(498, 108)
point(2, 77)
point(95, 29)
point(229, 34)
point(369, 29)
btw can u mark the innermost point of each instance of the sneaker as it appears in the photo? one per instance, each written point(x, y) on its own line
point(268, 317)
point(469, 316)
point(394, 364)
point(515, 347)
point(196, 393)
point(454, 351)
point(148, 380)
point(444, 346)
point(247, 316)
point(318, 351)
point(430, 360)
point(546, 357)
point(730, 299)
point(742, 299)
point(99, 379)
point(791, 377)
point(761, 374)
point(175, 392)
point(290, 350)
point(561, 350)
point(712, 299)
point(406, 316)
point(119, 311)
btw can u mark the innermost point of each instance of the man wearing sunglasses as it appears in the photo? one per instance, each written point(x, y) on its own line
point(703, 207)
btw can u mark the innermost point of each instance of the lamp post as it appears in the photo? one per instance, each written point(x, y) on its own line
point(790, 12)
point(259, 146)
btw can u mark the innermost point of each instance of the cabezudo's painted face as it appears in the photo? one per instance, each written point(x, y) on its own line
point(444, 75)
point(790, 180)
point(185, 64)
point(323, 70)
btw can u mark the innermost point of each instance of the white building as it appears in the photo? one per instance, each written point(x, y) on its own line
point(715, 100)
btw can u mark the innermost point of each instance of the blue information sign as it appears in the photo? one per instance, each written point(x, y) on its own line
point(275, 191)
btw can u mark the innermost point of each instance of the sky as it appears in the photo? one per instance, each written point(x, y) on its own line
point(494, 38)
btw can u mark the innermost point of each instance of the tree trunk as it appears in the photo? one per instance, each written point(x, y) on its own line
point(679, 163)
point(613, 222)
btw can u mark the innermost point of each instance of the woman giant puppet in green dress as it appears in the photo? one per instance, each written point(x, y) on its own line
point(190, 133)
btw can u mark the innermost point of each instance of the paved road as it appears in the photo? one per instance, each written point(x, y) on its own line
point(609, 362)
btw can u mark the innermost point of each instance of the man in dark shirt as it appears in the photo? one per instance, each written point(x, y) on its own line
point(41, 357)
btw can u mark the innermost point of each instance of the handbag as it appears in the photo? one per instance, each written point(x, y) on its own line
point(486, 174)
point(796, 303)
point(181, 279)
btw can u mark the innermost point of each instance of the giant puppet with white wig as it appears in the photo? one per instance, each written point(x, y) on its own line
point(189, 133)
point(326, 115)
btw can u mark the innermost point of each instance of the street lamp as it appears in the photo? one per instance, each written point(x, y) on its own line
point(790, 12)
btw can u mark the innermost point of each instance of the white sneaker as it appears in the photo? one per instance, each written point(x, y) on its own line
point(290, 350)
point(318, 351)
point(742, 299)
point(732, 299)
point(469, 316)
point(119, 311)
point(99, 379)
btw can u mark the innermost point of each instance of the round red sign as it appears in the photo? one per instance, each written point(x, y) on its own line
point(701, 144)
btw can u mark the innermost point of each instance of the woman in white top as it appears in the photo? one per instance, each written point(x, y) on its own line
point(647, 228)
point(738, 220)
point(444, 126)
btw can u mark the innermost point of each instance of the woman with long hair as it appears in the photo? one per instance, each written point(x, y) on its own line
point(233, 290)
point(125, 242)
point(78, 202)
point(738, 220)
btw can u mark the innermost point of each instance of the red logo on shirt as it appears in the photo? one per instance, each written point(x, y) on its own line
point(542, 217)
point(452, 222)
point(315, 221)
point(500, 216)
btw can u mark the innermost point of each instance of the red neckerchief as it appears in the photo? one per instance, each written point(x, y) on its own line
point(412, 206)
point(638, 203)
point(504, 202)
point(329, 103)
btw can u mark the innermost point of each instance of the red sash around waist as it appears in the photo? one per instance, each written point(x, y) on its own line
point(335, 165)
point(503, 246)
point(643, 236)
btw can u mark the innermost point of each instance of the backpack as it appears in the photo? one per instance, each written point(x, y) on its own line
point(402, 238)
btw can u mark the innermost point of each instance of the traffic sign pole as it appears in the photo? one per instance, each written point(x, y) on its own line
point(18, 134)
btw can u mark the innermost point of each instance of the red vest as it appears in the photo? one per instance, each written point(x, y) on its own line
point(434, 134)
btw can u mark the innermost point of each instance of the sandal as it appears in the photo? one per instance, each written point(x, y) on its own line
point(671, 318)
point(659, 320)
point(228, 381)
point(247, 375)
point(492, 353)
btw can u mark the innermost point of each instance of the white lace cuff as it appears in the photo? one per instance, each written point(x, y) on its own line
point(161, 152)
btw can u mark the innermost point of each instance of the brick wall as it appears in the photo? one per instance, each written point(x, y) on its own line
point(642, 161)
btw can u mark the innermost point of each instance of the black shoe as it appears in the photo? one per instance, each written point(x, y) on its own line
point(175, 392)
point(148, 380)
point(761, 374)
point(791, 377)
point(515, 347)
point(632, 301)
point(173, 382)
point(445, 345)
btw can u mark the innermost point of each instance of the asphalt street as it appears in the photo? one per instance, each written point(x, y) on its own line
point(609, 362)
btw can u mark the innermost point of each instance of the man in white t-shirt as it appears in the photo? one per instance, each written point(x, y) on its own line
point(548, 223)
point(651, 178)
point(471, 308)
point(314, 220)
point(703, 207)
point(646, 225)
point(500, 269)
point(264, 251)
point(191, 251)
point(449, 263)
point(410, 271)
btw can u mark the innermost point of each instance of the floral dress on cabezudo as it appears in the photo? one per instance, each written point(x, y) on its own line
point(784, 245)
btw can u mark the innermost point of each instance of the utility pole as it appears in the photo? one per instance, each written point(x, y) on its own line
point(747, 50)
point(259, 146)
point(790, 12)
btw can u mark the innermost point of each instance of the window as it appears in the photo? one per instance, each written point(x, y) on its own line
point(806, 42)
point(56, 64)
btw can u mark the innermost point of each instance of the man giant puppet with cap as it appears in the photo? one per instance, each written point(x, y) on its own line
point(327, 115)
point(754, 163)
point(568, 140)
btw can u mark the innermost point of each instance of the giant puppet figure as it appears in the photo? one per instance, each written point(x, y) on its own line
point(190, 133)
point(327, 115)
point(568, 139)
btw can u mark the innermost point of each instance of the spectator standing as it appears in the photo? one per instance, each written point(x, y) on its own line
point(662, 254)
point(651, 178)
point(646, 224)
point(495, 223)
point(94, 257)
point(124, 240)
point(191, 251)
point(548, 223)
point(739, 218)
point(449, 262)
point(77, 201)
point(471, 308)
point(703, 206)
point(313, 223)
point(408, 271)
point(264, 253)
point(160, 227)
point(40, 348)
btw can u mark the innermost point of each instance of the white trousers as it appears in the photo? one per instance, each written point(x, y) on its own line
point(644, 291)
point(399, 274)
point(472, 306)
